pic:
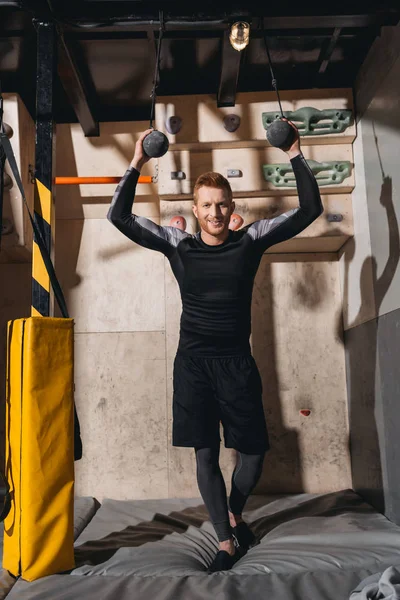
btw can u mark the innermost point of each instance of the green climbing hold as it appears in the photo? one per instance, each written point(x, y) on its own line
point(326, 173)
point(311, 121)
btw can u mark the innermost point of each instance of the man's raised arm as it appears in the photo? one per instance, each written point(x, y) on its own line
point(268, 232)
point(141, 230)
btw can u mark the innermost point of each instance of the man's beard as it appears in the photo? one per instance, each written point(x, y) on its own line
point(212, 229)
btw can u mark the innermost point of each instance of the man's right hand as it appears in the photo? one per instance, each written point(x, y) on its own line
point(140, 158)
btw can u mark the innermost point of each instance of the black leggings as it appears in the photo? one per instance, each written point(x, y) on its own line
point(212, 486)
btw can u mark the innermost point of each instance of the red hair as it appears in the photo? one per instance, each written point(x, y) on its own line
point(212, 179)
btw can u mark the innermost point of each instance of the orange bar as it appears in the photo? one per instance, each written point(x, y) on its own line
point(80, 180)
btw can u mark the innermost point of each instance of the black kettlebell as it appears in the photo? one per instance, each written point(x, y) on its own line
point(280, 134)
point(155, 144)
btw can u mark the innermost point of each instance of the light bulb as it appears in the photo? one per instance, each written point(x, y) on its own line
point(239, 36)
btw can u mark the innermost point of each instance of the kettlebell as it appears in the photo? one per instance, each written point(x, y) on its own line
point(280, 134)
point(155, 144)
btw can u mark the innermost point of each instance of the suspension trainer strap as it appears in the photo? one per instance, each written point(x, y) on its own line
point(274, 82)
point(157, 69)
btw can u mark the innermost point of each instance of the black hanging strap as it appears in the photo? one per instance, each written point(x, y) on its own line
point(5, 143)
point(2, 164)
point(4, 487)
point(274, 82)
point(157, 70)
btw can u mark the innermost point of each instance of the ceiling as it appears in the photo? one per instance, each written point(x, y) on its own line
point(107, 50)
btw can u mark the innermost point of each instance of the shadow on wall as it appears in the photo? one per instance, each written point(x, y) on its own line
point(282, 465)
point(363, 378)
point(280, 338)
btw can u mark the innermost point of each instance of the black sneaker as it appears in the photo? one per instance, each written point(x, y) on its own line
point(224, 561)
point(243, 536)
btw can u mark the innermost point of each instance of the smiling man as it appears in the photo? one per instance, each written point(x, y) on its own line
point(215, 375)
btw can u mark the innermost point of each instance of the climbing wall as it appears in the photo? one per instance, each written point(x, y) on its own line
point(126, 305)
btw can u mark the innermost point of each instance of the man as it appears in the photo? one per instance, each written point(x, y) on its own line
point(215, 376)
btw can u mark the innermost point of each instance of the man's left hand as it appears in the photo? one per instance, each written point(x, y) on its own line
point(294, 149)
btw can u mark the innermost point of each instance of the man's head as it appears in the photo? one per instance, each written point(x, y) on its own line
point(213, 204)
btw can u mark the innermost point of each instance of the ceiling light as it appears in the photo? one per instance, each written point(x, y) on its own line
point(239, 36)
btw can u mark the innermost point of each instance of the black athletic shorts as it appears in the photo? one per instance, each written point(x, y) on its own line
point(210, 390)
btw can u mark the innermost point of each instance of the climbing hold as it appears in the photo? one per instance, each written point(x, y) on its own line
point(305, 412)
point(235, 222)
point(179, 222)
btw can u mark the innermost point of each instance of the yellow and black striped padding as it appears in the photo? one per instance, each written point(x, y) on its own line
point(40, 276)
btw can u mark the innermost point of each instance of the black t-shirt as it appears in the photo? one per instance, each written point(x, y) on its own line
point(216, 282)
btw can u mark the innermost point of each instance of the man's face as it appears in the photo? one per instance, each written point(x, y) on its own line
point(213, 210)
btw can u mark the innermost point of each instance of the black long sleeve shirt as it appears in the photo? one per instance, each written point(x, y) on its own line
point(216, 282)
